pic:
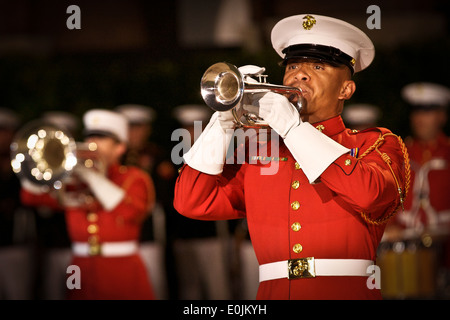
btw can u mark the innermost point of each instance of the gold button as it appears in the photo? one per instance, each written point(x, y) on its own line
point(297, 166)
point(89, 163)
point(92, 217)
point(295, 205)
point(296, 226)
point(92, 228)
point(348, 162)
point(295, 184)
point(297, 248)
point(93, 239)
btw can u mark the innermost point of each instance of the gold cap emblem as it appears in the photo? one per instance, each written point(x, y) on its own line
point(308, 22)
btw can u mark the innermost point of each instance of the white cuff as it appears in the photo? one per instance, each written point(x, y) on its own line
point(32, 187)
point(313, 150)
point(107, 193)
point(210, 149)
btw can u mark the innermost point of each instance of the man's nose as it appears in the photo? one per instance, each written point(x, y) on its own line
point(301, 74)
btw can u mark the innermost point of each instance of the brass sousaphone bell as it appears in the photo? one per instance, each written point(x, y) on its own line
point(223, 87)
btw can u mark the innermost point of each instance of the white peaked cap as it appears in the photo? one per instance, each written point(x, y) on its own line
point(137, 113)
point(361, 113)
point(106, 122)
point(321, 37)
point(188, 113)
point(426, 94)
point(62, 119)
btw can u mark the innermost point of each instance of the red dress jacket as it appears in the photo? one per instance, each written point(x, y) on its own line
point(432, 162)
point(427, 208)
point(340, 216)
point(102, 277)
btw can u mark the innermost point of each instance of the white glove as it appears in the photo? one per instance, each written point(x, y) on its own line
point(210, 149)
point(279, 113)
point(313, 150)
point(226, 120)
point(107, 192)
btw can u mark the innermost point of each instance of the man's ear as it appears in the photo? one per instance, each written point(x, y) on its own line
point(348, 88)
point(443, 118)
point(121, 148)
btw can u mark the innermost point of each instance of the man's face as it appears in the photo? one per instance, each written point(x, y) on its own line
point(427, 124)
point(325, 87)
point(108, 150)
point(138, 135)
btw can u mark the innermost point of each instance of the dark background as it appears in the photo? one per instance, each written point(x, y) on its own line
point(154, 53)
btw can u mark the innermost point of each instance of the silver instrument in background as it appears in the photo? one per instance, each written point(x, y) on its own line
point(46, 155)
point(223, 87)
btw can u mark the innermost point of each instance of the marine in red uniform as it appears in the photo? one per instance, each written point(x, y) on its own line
point(317, 213)
point(105, 229)
point(429, 150)
point(426, 220)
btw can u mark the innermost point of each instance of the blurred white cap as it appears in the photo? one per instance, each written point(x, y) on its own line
point(137, 113)
point(188, 113)
point(426, 95)
point(106, 122)
point(63, 119)
point(361, 114)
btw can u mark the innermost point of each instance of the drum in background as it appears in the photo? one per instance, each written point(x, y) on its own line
point(410, 267)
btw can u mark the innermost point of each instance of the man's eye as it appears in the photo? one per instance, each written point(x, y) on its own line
point(292, 67)
point(318, 67)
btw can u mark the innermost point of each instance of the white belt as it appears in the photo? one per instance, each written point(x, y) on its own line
point(106, 249)
point(310, 268)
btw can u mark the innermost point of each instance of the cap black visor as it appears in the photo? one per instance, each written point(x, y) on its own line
point(327, 54)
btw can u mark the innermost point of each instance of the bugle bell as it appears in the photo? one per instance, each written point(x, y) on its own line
point(223, 87)
point(46, 155)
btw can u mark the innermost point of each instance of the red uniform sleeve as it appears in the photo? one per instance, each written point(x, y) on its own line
point(370, 182)
point(209, 197)
point(39, 200)
point(139, 198)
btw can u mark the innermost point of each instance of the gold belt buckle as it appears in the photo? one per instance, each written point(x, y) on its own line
point(95, 248)
point(301, 268)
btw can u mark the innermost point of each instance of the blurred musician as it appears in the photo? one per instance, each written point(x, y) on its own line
point(105, 229)
point(423, 228)
point(147, 155)
point(53, 244)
